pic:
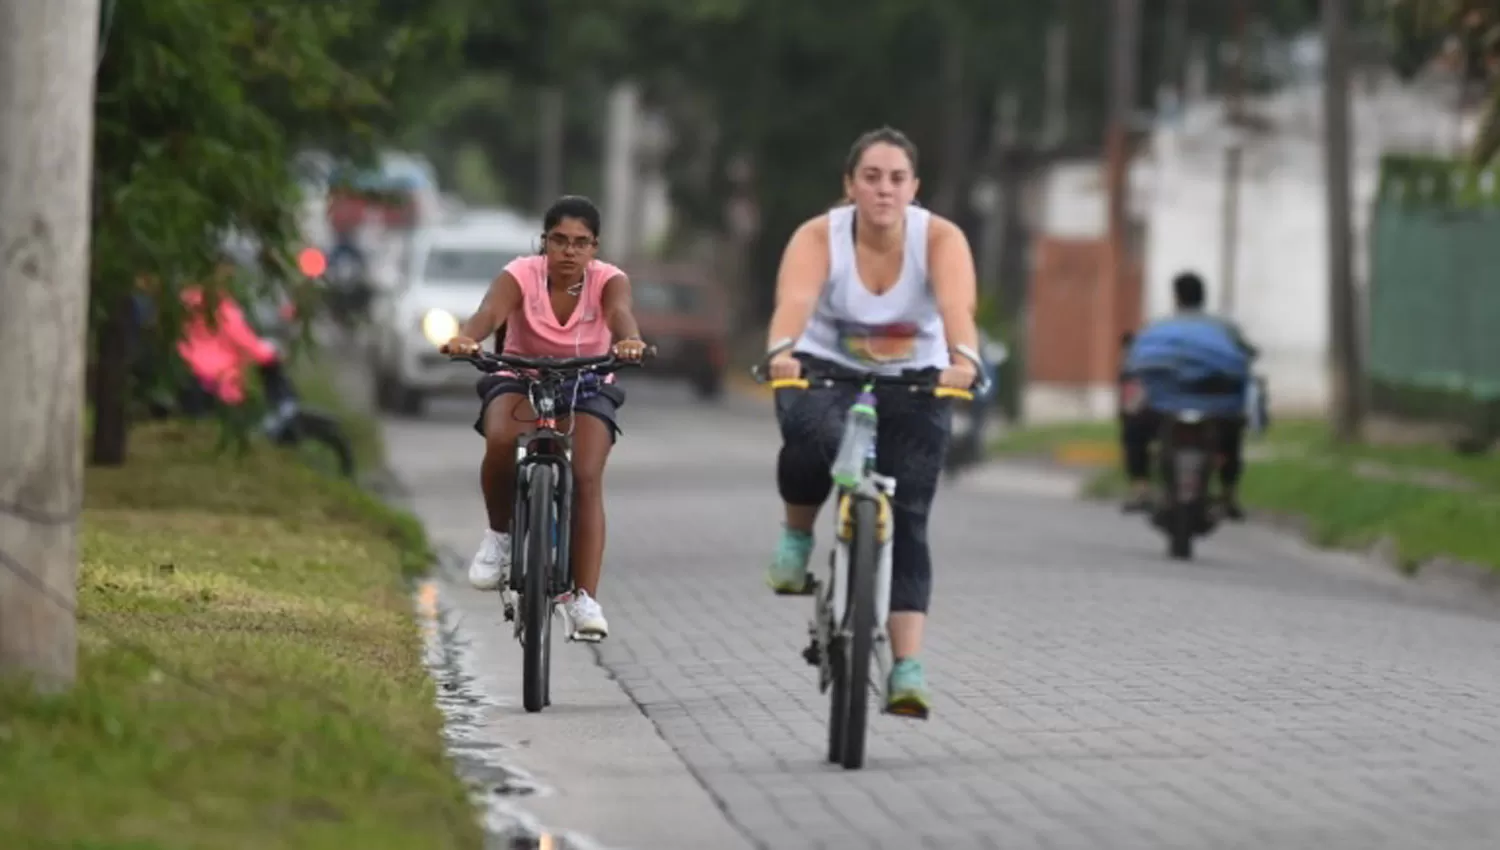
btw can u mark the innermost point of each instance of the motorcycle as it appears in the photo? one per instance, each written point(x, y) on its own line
point(970, 420)
point(348, 291)
point(1187, 460)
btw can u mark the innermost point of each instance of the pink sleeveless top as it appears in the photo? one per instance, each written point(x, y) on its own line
point(533, 329)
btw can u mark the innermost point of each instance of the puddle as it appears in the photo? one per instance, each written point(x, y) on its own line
point(495, 785)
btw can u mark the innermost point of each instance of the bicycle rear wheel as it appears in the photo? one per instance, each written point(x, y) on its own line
point(322, 444)
point(536, 603)
point(859, 622)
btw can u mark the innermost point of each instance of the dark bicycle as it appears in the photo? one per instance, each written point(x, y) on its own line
point(542, 523)
point(848, 628)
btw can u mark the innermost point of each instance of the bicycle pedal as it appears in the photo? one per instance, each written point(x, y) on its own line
point(912, 711)
point(809, 588)
point(813, 655)
point(585, 637)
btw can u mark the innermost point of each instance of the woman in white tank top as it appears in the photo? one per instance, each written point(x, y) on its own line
point(880, 285)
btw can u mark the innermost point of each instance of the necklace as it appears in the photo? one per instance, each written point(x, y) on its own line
point(572, 290)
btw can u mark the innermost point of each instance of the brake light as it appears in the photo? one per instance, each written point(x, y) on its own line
point(311, 262)
point(1132, 396)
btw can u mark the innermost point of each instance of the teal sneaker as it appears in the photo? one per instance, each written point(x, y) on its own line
point(906, 692)
point(788, 575)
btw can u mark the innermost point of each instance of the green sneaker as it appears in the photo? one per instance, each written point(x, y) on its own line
point(788, 574)
point(906, 692)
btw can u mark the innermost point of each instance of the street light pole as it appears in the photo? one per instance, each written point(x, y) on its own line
point(1117, 154)
point(1343, 314)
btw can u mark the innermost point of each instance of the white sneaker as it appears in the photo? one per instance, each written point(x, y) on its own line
point(491, 564)
point(586, 615)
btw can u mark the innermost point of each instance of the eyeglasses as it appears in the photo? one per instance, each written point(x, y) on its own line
point(559, 242)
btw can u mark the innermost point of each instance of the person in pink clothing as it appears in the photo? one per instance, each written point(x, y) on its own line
point(216, 353)
point(561, 303)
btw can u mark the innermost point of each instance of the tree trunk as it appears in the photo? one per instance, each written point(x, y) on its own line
point(953, 170)
point(111, 388)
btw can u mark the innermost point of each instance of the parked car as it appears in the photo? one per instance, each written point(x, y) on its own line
point(683, 313)
point(971, 420)
point(449, 268)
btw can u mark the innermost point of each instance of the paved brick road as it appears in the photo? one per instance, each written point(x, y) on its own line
point(1089, 693)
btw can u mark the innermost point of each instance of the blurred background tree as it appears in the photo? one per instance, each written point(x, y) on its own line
point(1463, 36)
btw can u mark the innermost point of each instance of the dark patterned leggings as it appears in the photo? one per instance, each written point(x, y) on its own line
point(910, 446)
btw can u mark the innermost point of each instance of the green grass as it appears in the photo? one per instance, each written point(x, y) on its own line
point(1344, 509)
point(1425, 498)
point(1286, 435)
point(1045, 439)
point(249, 669)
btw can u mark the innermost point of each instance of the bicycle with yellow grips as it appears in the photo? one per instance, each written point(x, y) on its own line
point(850, 610)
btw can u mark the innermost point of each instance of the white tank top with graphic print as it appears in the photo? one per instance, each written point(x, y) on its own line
point(897, 330)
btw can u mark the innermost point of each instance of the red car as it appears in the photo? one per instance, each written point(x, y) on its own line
point(683, 313)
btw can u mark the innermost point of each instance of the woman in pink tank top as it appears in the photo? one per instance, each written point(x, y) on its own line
point(561, 303)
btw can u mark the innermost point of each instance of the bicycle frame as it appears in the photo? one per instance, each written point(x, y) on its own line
point(545, 447)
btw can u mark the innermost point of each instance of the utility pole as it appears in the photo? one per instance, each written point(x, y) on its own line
point(990, 196)
point(549, 151)
point(1170, 74)
point(1233, 160)
point(1117, 152)
point(47, 56)
point(1343, 327)
point(1055, 122)
point(621, 171)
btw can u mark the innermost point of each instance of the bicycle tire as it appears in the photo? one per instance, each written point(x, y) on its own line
point(864, 550)
point(838, 702)
point(1180, 539)
point(536, 603)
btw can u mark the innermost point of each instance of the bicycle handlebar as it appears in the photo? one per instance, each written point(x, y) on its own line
point(922, 384)
point(490, 362)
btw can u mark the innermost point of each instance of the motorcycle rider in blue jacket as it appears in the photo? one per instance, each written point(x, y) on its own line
point(1187, 360)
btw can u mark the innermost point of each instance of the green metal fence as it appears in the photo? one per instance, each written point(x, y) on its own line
point(1434, 340)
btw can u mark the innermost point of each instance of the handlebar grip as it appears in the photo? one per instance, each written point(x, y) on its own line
point(952, 392)
point(790, 384)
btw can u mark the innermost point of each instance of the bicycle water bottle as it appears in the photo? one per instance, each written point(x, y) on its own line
point(859, 438)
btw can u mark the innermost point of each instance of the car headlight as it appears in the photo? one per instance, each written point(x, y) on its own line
point(439, 326)
point(996, 353)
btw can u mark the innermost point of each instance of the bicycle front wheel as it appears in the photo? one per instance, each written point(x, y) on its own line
point(859, 627)
point(536, 604)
